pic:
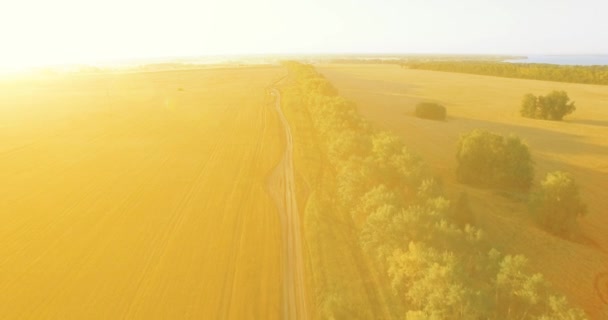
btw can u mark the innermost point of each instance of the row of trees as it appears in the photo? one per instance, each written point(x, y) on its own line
point(574, 74)
point(438, 265)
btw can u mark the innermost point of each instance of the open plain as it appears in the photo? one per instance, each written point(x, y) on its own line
point(140, 195)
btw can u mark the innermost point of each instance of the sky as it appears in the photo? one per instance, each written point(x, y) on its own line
point(37, 32)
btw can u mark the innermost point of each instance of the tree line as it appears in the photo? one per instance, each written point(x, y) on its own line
point(549, 72)
point(438, 265)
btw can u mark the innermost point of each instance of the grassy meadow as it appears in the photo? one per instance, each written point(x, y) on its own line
point(387, 95)
point(139, 195)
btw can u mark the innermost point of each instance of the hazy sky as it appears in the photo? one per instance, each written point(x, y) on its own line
point(58, 31)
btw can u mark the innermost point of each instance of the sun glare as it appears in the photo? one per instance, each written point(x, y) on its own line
point(304, 159)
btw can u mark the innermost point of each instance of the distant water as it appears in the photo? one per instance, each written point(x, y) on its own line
point(571, 60)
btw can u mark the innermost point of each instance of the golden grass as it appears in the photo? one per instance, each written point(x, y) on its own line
point(388, 94)
point(139, 195)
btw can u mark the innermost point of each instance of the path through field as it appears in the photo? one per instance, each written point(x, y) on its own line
point(283, 189)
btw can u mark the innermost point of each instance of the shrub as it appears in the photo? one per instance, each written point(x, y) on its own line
point(553, 106)
point(557, 205)
point(429, 110)
point(489, 159)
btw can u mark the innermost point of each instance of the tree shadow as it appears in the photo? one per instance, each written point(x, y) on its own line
point(539, 139)
point(590, 122)
point(550, 150)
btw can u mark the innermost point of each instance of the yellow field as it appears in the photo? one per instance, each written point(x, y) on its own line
point(387, 95)
point(140, 195)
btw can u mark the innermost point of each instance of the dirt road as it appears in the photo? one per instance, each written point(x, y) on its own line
point(283, 190)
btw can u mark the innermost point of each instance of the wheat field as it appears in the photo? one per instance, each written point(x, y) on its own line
point(387, 95)
point(139, 195)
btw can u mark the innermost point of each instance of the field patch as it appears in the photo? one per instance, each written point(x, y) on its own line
point(140, 195)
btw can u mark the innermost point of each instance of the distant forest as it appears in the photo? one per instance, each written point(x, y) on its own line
point(409, 58)
point(549, 72)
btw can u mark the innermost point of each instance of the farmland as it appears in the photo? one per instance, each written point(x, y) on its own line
point(240, 192)
point(140, 195)
point(387, 95)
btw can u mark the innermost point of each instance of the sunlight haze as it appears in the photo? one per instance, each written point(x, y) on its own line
point(304, 159)
point(37, 32)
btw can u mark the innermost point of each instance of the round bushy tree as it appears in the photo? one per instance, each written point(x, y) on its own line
point(529, 106)
point(553, 106)
point(429, 110)
point(489, 159)
point(558, 205)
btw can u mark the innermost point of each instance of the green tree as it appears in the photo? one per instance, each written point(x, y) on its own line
point(432, 283)
point(528, 106)
point(558, 205)
point(560, 309)
point(381, 233)
point(489, 159)
point(372, 200)
point(518, 167)
point(523, 295)
point(346, 144)
point(394, 164)
point(320, 86)
point(553, 106)
point(518, 292)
